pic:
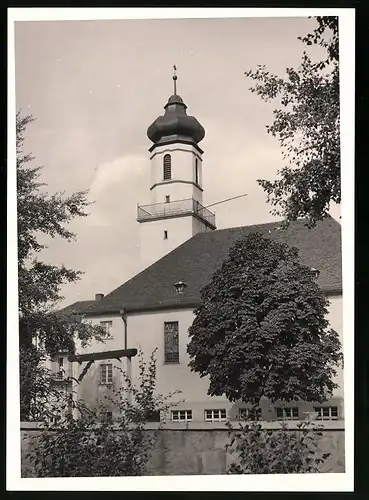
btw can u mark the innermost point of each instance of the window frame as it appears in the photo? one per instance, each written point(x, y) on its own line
point(249, 414)
point(220, 418)
point(167, 167)
point(188, 417)
point(110, 330)
point(285, 411)
point(169, 361)
point(107, 380)
point(106, 417)
point(197, 177)
point(320, 411)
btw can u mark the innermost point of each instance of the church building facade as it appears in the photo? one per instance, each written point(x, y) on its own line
point(180, 250)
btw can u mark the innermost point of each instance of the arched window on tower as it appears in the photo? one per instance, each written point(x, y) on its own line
point(167, 167)
point(196, 171)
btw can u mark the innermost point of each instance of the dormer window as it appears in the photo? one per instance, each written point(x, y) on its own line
point(167, 167)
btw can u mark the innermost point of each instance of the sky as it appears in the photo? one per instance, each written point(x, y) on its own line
point(95, 87)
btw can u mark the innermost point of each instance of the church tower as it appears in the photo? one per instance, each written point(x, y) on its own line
point(176, 211)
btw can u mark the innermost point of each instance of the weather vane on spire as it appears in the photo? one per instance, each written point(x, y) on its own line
point(175, 78)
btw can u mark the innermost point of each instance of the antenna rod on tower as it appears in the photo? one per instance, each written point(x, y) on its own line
point(228, 199)
point(175, 78)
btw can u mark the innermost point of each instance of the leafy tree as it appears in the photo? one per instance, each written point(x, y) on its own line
point(306, 125)
point(275, 451)
point(40, 215)
point(261, 329)
point(87, 447)
point(37, 387)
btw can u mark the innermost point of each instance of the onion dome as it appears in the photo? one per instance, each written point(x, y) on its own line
point(175, 125)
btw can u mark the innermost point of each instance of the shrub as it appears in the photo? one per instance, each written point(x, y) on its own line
point(275, 451)
point(85, 445)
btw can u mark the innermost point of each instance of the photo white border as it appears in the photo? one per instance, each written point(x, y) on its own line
point(291, 482)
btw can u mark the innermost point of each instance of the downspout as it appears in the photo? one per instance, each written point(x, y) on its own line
point(128, 364)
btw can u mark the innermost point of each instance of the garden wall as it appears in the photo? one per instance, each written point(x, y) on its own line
point(200, 449)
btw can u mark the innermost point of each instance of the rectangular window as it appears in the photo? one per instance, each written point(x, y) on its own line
point(106, 416)
point(106, 374)
point(153, 416)
point(215, 415)
point(288, 413)
point(108, 326)
point(171, 342)
point(181, 415)
point(167, 199)
point(165, 235)
point(58, 369)
point(196, 171)
point(249, 414)
point(326, 412)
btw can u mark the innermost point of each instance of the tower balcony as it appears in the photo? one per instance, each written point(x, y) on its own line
point(172, 209)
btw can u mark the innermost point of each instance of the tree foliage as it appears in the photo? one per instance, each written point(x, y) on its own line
point(38, 390)
point(307, 127)
point(82, 445)
point(38, 216)
point(261, 329)
point(39, 283)
point(275, 451)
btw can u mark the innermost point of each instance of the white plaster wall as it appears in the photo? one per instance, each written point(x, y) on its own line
point(183, 165)
point(176, 191)
point(146, 332)
point(335, 317)
point(153, 246)
point(90, 388)
point(116, 342)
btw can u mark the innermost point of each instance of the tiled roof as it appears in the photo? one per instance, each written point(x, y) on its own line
point(198, 258)
point(79, 307)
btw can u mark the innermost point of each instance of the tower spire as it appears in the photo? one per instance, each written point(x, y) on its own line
point(175, 79)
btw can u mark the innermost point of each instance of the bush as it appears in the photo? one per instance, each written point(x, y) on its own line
point(275, 451)
point(39, 395)
point(86, 446)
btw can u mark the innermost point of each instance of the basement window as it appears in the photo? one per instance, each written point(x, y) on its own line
point(215, 415)
point(153, 416)
point(249, 414)
point(165, 235)
point(106, 417)
point(181, 415)
point(287, 413)
point(326, 412)
point(106, 374)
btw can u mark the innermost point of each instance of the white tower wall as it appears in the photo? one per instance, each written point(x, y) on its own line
point(182, 184)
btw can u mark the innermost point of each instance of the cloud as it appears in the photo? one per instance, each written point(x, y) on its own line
point(115, 189)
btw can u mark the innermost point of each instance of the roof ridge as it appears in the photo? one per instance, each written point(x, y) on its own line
point(271, 223)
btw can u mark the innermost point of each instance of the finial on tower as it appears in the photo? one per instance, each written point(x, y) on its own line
point(175, 78)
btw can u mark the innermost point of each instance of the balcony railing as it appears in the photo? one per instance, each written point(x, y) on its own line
point(175, 209)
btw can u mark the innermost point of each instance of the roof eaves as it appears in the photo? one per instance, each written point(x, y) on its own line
point(153, 306)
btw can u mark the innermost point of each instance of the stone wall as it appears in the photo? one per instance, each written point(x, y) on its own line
point(189, 449)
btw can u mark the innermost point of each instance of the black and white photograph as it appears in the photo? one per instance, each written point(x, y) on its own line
point(182, 220)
